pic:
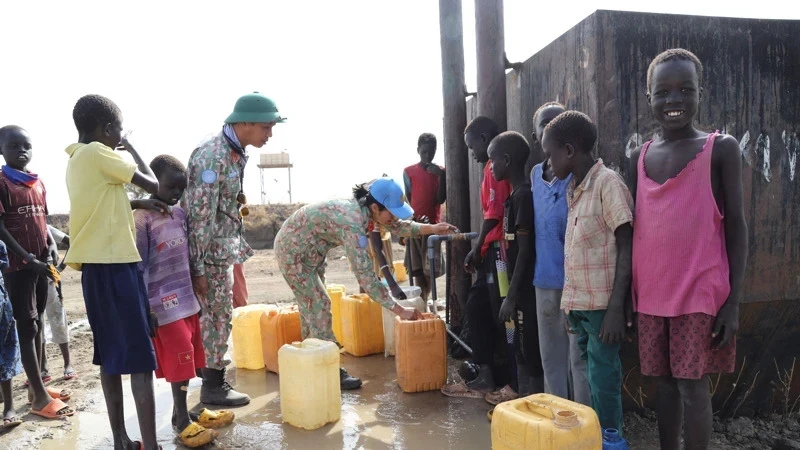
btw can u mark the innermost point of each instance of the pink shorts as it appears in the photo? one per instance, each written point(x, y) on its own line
point(680, 347)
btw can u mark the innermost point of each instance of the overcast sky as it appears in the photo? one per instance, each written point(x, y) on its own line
point(359, 80)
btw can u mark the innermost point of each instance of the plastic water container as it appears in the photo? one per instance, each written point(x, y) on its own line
point(336, 292)
point(421, 360)
point(413, 300)
point(400, 273)
point(362, 325)
point(545, 422)
point(309, 383)
point(246, 333)
point(278, 327)
point(612, 440)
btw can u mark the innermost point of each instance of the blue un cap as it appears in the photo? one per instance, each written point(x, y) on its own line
point(388, 193)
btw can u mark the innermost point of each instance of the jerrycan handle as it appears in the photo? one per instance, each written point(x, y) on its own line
point(562, 418)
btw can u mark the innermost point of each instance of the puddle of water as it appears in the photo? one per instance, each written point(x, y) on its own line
point(378, 416)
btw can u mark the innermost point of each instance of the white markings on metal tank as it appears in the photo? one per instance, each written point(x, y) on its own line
point(633, 143)
point(791, 143)
point(762, 146)
point(747, 153)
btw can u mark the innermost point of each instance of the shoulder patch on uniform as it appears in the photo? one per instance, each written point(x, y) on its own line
point(209, 176)
point(362, 241)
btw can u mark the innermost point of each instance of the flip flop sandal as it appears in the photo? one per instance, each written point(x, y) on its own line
point(215, 419)
point(12, 422)
point(503, 395)
point(195, 435)
point(45, 379)
point(71, 375)
point(56, 409)
point(460, 390)
point(63, 394)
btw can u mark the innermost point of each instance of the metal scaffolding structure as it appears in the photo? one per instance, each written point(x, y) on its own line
point(274, 161)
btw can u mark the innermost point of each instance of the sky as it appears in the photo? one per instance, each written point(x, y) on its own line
point(359, 80)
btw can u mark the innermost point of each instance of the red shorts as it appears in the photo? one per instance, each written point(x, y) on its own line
point(179, 349)
point(680, 347)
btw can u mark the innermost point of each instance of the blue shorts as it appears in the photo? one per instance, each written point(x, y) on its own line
point(118, 311)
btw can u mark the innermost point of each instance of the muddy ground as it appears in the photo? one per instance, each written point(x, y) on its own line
point(267, 286)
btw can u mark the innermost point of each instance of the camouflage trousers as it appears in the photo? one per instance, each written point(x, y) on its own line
point(313, 303)
point(215, 322)
point(306, 282)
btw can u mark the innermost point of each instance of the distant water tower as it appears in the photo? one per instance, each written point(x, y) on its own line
point(274, 161)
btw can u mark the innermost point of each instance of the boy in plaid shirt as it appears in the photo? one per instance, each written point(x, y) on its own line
point(597, 257)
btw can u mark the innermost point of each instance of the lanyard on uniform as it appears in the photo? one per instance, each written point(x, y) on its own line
point(233, 142)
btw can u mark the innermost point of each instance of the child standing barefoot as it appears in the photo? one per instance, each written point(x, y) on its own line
point(163, 245)
point(103, 247)
point(687, 185)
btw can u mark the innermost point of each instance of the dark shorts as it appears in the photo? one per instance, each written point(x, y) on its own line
point(681, 347)
point(118, 311)
point(28, 294)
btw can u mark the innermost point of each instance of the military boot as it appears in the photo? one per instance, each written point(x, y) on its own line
point(348, 381)
point(217, 391)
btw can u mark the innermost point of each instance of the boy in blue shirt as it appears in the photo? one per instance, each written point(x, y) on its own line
point(560, 352)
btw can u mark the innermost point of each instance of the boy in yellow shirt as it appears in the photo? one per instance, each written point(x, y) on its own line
point(103, 247)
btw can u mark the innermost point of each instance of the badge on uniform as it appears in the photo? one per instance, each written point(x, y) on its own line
point(209, 176)
point(362, 241)
point(233, 174)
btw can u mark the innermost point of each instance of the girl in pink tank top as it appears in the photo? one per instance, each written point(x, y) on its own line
point(680, 264)
point(689, 251)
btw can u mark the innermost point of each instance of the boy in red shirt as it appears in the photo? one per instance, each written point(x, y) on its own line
point(426, 190)
point(487, 334)
point(23, 228)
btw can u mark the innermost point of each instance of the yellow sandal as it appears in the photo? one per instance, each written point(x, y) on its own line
point(195, 435)
point(215, 419)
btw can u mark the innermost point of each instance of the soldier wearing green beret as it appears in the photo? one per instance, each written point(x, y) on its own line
point(213, 200)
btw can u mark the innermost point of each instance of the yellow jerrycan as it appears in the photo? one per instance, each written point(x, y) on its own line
point(246, 333)
point(309, 383)
point(362, 325)
point(545, 422)
point(336, 292)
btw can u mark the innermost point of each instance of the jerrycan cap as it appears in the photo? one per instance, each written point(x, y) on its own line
point(565, 419)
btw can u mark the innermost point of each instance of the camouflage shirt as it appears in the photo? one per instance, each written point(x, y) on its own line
point(215, 227)
point(313, 230)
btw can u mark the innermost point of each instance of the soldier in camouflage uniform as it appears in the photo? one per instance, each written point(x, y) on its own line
point(304, 240)
point(212, 201)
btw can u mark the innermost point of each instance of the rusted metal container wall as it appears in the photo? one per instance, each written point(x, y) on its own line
point(751, 85)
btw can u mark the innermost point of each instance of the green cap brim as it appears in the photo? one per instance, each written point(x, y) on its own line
point(255, 117)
